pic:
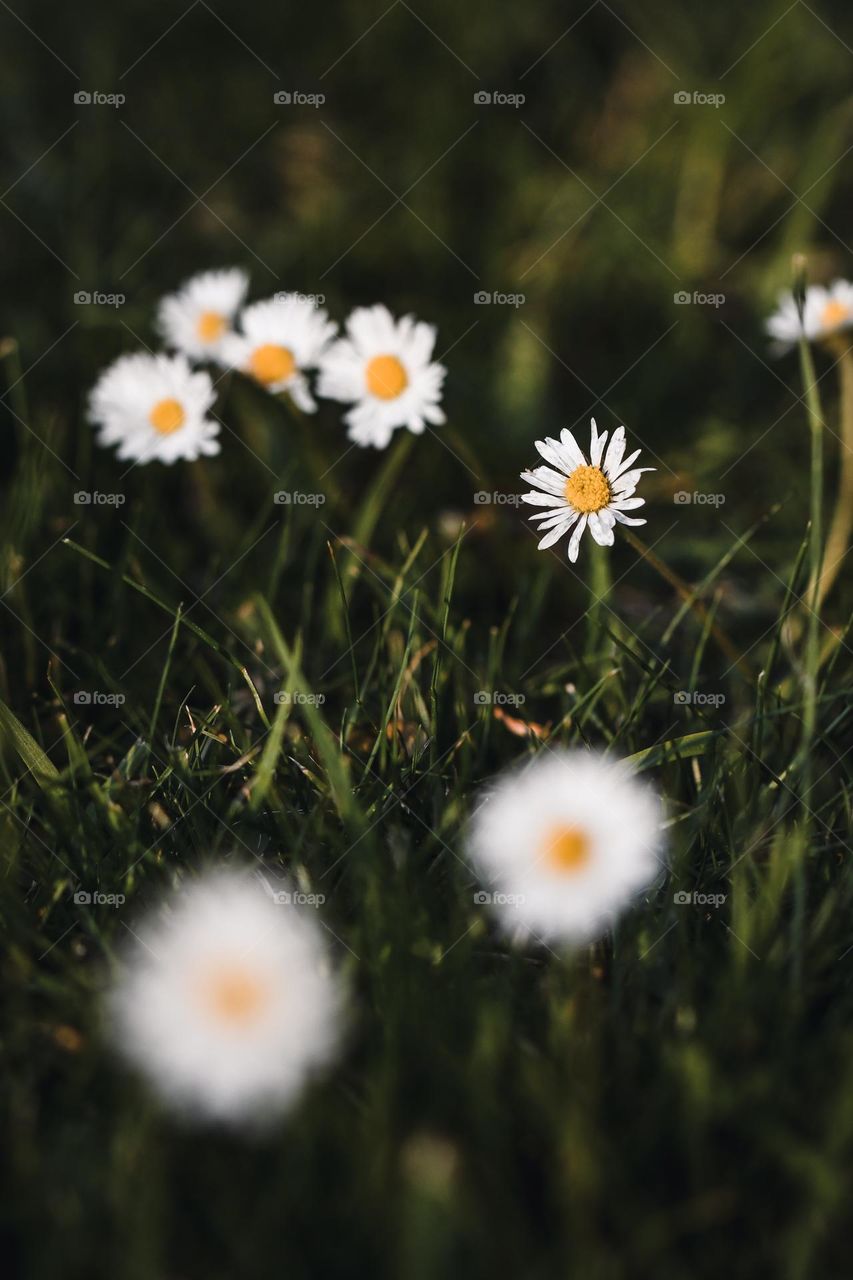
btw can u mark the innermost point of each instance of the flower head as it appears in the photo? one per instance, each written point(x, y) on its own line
point(153, 408)
point(590, 494)
point(278, 339)
point(566, 842)
point(826, 311)
point(384, 368)
point(197, 318)
point(226, 1004)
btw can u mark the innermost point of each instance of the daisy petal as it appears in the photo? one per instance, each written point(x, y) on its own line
point(575, 540)
point(601, 531)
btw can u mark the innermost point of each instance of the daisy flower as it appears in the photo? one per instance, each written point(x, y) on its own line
point(226, 1004)
point(566, 843)
point(197, 318)
point(591, 495)
point(826, 311)
point(384, 368)
point(153, 408)
point(278, 339)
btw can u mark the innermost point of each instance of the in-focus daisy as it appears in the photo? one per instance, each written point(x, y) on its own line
point(277, 340)
point(226, 1003)
point(153, 408)
point(565, 844)
point(198, 317)
point(590, 494)
point(826, 311)
point(384, 368)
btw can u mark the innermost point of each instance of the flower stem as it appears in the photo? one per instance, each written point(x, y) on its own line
point(838, 538)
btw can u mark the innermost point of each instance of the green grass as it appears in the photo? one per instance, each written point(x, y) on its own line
point(675, 1100)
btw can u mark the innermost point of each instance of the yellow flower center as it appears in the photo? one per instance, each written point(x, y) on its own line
point(234, 994)
point(167, 416)
point(567, 849)
point(211, 325)
point(386, 377)
point(272, 363)
point(833, 314)
point(587, 489)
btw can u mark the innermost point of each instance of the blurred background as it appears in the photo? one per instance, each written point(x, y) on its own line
point(597, 205)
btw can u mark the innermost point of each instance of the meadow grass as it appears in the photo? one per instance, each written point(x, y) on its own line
point(677, 1098)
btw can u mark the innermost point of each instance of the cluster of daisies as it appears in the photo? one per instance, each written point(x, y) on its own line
point(228, 1001)
point(159, 407)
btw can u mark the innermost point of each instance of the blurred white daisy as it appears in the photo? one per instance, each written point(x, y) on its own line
point(565, 844)
point(384, 368)
point(590, 494)
point(826, 311)
point(277, 340)
point(199, 316)
point(226, 1002)
point(153, 408)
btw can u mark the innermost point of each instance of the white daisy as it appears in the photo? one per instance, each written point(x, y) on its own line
point(226, 1003)
point(153, 408)
point(566, 843)
point(278, 339)
point(826, 311)
point(198, 317)
point(592, 494)
point(384, 368)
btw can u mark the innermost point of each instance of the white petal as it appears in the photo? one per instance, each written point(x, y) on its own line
point(537, 499)
point(626, 463)
point(545, 478)
point(615, 450)
point(602, 532)
point(575, 540)
point(570, 444)
point(627, 519)
point(554, 535)
point(550, 451)
point(596, 448)
point(627, 504)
